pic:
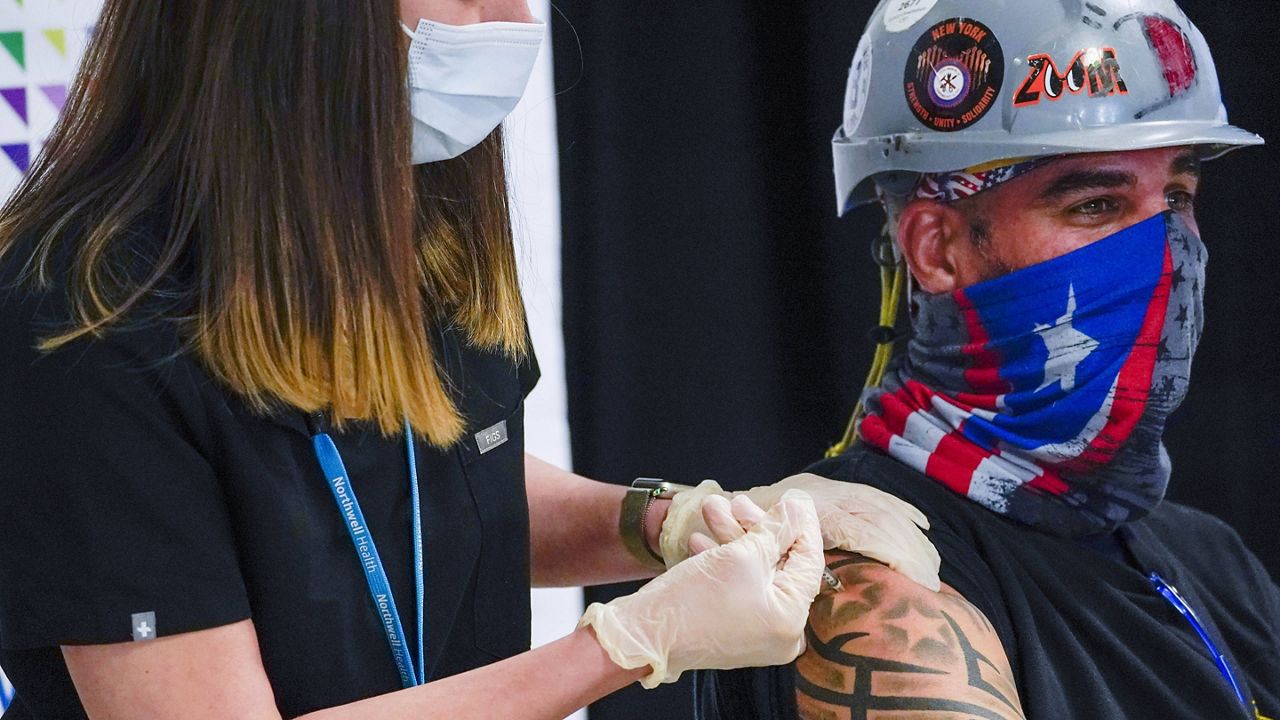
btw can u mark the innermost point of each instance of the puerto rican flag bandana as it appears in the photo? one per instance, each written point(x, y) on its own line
point(1043, 394)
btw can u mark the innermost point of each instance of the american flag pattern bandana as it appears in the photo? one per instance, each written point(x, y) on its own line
point(960, 184)
point(1043, 394)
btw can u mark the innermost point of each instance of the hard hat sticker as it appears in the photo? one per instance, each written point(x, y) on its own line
point(1096, 69)
point(900, 15)
point(1173, 49)
point(1174, 52)
point(954, 74)
point(859, 89)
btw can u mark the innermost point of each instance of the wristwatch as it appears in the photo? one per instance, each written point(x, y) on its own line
point(635, 509)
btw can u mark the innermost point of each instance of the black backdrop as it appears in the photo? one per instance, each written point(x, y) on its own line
point(716, 310)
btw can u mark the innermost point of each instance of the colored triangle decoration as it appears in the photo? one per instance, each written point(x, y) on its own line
point(57, 95)
point(20, 154)
point(58, 36)
point(17, 99)
point(16, 45)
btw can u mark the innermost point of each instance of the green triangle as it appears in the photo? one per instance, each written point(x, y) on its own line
point(16, 45)
point(58, 37)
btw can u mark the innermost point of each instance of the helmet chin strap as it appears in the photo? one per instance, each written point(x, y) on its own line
point(893, 281)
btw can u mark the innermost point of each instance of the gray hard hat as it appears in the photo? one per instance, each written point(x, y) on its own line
point(944, 85)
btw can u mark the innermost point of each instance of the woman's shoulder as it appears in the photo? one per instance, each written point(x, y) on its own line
point(136, 372)
point(36, 306)
point(31, 317)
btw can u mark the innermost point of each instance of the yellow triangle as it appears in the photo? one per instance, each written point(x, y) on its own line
point(58, 37)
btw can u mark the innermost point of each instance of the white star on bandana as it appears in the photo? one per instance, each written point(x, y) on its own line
point(1067, 348)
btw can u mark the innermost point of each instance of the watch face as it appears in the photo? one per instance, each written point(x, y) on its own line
point(649, 484)
point(659, 488)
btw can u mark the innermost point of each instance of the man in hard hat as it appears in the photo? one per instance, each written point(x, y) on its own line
point(1038, 161)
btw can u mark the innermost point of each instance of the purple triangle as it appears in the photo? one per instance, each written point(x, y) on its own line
point(20, 154)
point(17, 99)
point(57, 95)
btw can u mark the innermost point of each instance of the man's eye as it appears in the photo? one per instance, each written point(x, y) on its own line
point(1182, 201)
point(1096, 206)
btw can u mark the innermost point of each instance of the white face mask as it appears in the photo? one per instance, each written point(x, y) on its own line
point(464, 80)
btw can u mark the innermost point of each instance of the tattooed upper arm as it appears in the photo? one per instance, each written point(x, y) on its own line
point(885, 647)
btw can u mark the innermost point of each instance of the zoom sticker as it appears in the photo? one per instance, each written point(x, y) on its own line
point(1094, 69)
point(954, 74)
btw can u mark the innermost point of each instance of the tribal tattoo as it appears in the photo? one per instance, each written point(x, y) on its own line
point(887, 648)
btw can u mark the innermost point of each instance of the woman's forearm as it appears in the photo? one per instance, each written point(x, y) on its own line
point(574, 529)
point(218, 673)
point(547, 683)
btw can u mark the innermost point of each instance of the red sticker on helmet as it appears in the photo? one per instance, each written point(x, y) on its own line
point(954, 74)
point(1173, 50)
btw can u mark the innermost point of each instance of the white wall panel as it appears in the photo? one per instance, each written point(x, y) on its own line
point(40, 45)
point(535, 184)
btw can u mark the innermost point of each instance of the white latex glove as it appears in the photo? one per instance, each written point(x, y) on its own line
point(741, 604)
point(855, 518)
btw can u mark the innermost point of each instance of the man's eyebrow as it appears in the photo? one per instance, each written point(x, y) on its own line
point(1187, 163)
point(1088, 180)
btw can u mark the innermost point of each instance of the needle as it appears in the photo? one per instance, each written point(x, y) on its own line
point(831, 579)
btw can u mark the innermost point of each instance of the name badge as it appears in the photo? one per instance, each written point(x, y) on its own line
point(491, 438)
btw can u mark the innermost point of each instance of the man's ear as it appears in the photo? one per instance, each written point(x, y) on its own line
point(935, 243)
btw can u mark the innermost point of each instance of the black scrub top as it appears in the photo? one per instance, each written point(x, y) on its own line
point(131, 482)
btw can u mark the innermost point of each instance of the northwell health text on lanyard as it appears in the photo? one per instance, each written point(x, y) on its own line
point(335, 473)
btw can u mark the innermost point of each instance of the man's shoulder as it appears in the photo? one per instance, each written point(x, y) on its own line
point(964, 532)
point(946, 510)
point(868, 467)
point(1174, 520)
point(1201, 540)
point(883, 640)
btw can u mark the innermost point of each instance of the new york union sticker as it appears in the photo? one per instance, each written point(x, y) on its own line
point(954, 74)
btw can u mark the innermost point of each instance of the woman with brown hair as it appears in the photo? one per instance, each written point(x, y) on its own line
point(262, 361)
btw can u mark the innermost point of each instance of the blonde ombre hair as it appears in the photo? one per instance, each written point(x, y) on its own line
point(273, 139)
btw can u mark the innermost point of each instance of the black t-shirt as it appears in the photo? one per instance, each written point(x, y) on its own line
point(1085, 632)
point(131, 482)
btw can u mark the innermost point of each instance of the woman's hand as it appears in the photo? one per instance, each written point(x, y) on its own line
point(741, 604)
point(854, 518)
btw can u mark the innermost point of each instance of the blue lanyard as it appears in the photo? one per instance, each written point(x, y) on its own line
point(379, 586)
point(1170, 593)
